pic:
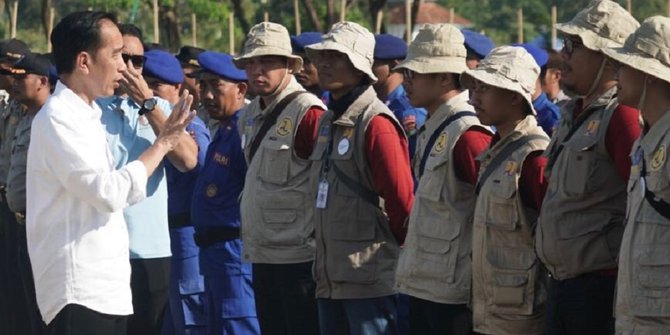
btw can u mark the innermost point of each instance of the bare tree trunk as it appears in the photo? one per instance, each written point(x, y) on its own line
point(239, 15)
point(169, 30)
point(374, 7)
point(312, 14)
point(330, 13)
point(45, 14)
point(415, 11)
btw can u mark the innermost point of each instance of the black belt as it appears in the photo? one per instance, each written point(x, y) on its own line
point(180, 220)
point(213, 235)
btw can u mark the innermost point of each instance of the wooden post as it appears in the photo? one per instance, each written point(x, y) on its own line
point(408, 21)
point(52, 16)
point(554, 16)
point(629, 6)
point(231, 33)
point(668, 7)
point(343, 10)
point(266, 15)
point(452, 13)
point(296, 13)
point(519, 14)
point(194, 30)
point(13, 16)
point(156, 27)
point(380, 19)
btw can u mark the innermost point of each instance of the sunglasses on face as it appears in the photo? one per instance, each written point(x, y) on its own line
point(137, 60)
point(569, 45)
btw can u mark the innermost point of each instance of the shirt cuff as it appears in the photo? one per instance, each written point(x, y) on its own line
point(138, 181)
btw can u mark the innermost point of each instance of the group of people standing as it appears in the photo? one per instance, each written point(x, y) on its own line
point(368, 187)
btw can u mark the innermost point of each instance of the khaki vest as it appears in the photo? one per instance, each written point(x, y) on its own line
point(643, 291)
point(507, 291)
point(435, 262)
point(277, 216)
point(356, 253)
point(581, 221)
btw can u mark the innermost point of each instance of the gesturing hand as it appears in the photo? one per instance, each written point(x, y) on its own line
point(175, 125)
point(134, 84)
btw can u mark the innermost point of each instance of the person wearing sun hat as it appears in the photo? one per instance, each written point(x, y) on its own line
point(362, 184)
point(644, 81)
point(438, 283)
point(579, 229)
point(507, 279)
point(278, 131)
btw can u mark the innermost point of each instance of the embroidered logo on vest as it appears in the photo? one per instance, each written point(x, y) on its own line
point(441, 143)
point(284, 127)
point(658, 159)
point(592, 127)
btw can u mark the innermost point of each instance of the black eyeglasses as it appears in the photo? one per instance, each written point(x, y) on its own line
point(137, 60)
point(570, 44)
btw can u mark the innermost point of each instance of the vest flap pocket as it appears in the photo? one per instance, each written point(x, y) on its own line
point(658, 183)
point(432, 183)
point(276, 159)
point(191, 286)
point(580, 158)
point(502, 212)
point(434, 246)
point(509, 290)
point(655, 256)
point(437, 227)
point(279, 215)
point(435, 162)
point(583, 224)
point(654, 273)
point(509, 280)
point(581, 143)
point(510, 258)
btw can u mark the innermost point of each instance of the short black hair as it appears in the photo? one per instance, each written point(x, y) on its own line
point(75, 33)
point(128, 29)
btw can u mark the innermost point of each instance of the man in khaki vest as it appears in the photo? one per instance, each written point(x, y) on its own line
point(581, 223)
point(362, 188)
point(642, 304)
point(507, 284)
point(434, 266)
point(278, 131)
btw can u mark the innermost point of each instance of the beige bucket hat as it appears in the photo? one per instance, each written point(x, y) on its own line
point(351, 39)
point(437, 48)
point(647, 49)
point(506, 67)
point(268, 39)
point(603, 24)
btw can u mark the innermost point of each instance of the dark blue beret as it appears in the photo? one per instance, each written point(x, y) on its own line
point(298, 43)
point(389, 47)
point(478, 43)
point(221, 64)
point(540, 55)
point(163, 66)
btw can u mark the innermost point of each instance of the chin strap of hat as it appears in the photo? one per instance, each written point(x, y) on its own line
point(643, 95)
point(281, 84)
point(596, 81)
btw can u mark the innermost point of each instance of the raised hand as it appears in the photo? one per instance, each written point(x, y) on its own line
point(175, 125)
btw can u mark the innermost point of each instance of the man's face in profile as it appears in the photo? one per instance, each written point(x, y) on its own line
point(105, 65)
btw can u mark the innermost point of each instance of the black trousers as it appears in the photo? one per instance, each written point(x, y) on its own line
point(79, 320)
point(580, 306)
point(427, 318)
point(149, 282)
point(285, 302)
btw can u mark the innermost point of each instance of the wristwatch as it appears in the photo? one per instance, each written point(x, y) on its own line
point(148, 105)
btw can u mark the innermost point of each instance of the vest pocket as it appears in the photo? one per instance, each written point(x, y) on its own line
point(580, 159)
point(279, 221)
point(275, 165)
point(437, 248)
point(652, 298)
point(503, 212)
point(513, 280)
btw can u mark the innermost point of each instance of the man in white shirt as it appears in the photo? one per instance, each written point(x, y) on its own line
point(77, 237)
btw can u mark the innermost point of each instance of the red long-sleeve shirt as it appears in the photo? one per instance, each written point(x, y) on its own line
point(308, 130)
point(472, 143)
point(387, 153)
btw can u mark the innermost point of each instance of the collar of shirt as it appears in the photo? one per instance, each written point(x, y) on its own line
point(540, 101)
point(91, 111)
point(397, 93)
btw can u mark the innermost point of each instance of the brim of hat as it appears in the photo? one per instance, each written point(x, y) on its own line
point(359, 62)
point(268, 51)
point(590, 39)
point(639, 61)
point(434, 65)
point(492, 78)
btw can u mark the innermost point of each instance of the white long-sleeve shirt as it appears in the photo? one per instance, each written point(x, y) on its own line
point(77, 237)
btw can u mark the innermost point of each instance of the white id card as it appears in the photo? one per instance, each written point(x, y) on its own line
point(322, 195)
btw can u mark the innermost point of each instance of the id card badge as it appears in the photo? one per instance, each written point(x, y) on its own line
point(322, 195)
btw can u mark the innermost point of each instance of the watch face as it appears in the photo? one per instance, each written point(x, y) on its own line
point(149, 104)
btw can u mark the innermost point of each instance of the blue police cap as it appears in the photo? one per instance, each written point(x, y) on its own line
point(298, 43)
point(220, 64)
point(478, 43)
point(388, 46)
point(540, 55)
point(163, 66)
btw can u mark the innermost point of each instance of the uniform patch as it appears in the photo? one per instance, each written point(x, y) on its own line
point(441, 143)
point(510, 168)
point(658, 159)
point(284, 127)
point(409, 124)
point(211, 190)
point(221, 159)
point(592, 127)
point(343, 146)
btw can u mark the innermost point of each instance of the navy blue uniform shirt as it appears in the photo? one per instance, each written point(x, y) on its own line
point(410, 118)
